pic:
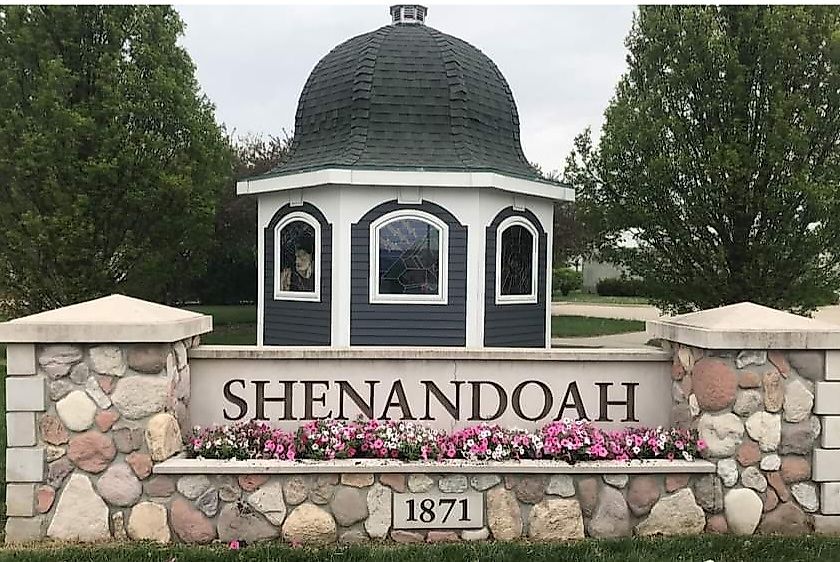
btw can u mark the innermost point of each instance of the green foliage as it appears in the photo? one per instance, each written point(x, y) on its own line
point(110, 159)
point(622, 287)
point(231, 275)
point(564, 280)
point(637, 549)
point(719, 156)
point(590, 326)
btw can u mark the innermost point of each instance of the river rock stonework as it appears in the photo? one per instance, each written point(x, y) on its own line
point(114, 413)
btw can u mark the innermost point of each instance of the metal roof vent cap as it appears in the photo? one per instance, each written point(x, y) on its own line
point(408, 13)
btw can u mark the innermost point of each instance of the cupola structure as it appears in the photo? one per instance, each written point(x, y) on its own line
point(407, 213)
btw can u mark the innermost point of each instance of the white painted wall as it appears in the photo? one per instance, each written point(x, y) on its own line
point(344, 205)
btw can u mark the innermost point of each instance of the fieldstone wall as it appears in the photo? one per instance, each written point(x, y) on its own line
point(86, 426)
point(754, 410)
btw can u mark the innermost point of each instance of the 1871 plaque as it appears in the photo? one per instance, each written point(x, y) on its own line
point(438, 511)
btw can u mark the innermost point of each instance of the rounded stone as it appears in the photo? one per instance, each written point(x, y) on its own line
point(770, 462)
point(727, 469)
point(716, 525)
point(774, 479)
point(529, 489)
point(771, 500)
point(52, 430)
point(753, 478)
point(228, 488)
point(805, 494)
point(250, 482)
point(193, 485)
point(473, 535)
point(357, 480)
point(556, 520)
point(189, 524)
point(723, 434)
point(787, 519)
point(323, 489)
point(106, 419)
point(309, 524)
point(616, 480)
point(119, 486)
point(795, 468)
point(749, 453)
point(140, 396)
point(406, 537)
point(160, 486)
point(208, 502)
point(503, 514)
point(44, 498)
point(774, 391)
point(140, 463)
point(677, 514)
point(453, 484)
point(674, 482)
point(295, 490)
point(749, 379)
point(482, 482)
point(742, 508)
point(798, 402)
point(349, 506)
point(396, 482)
point(58, 470)
point(54, 453)
point(353, 536)
point(79, 374)
point(56, 360)
point(642, 494)
point(147, 358)
point(748, 402)
point(419, 483)
point(442, 536)
point(59, 389)
point(766, 429)
point(107, 360)
point(91, 451)
point(708, 493)
point(76, 411)
point(797, 439)
point(148, 521)
point(268, 500)
point(714, 383)
point(612, 517)
point(80, 514)
point(379, 507)
point(588, 495)
point(163, 436)
point(245, 524)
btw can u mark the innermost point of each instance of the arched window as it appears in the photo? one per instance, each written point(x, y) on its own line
point(408, 262)
point(297, 249)
point(517, 244)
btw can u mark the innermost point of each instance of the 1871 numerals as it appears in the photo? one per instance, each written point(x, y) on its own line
point(431, 511)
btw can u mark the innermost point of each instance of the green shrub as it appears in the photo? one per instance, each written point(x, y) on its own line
point(565, 280)
point(621, 287)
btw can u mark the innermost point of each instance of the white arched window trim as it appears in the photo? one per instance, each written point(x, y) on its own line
point(530, 298)
point(314, 296)
point(443, 262)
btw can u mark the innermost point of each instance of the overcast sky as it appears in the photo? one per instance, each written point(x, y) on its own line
point(562, 62)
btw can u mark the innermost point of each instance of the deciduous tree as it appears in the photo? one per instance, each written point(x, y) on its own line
point(719, 156)
point(110, 158)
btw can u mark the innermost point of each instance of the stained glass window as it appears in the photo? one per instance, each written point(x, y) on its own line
point(296, 257)
point(409, 257)
point(516, 261)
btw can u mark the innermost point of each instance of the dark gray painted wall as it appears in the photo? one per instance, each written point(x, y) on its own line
point(408, 324)
point(298, 322)
point(513, 325)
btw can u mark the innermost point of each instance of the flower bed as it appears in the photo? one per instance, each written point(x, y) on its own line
point(566, 440)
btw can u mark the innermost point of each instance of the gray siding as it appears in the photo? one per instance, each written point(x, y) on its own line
point(298, 322)
point(408, 324)
point(513, 325)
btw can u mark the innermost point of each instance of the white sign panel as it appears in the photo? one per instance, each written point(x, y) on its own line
point(445, 394)
point(437, 510)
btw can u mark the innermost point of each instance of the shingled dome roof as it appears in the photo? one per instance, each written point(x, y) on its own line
point(407, 97)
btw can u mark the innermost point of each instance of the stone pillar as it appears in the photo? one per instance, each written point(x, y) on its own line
point(96, 393)
point(756, 383)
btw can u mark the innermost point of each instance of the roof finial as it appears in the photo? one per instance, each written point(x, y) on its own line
point(408, 13)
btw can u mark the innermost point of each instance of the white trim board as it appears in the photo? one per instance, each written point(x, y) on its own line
point(382, 178)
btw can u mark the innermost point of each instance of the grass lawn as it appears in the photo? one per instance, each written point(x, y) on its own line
point(591, 298)
point(587, 326)
point(691, 549)
point(232, 324)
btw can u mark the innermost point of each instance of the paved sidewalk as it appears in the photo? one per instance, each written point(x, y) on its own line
point(829, 314)
point(626, 340)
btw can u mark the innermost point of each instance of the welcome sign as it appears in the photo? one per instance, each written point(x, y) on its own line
point(443, 393)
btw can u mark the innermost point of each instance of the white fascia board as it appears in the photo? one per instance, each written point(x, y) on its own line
point(394, 178)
